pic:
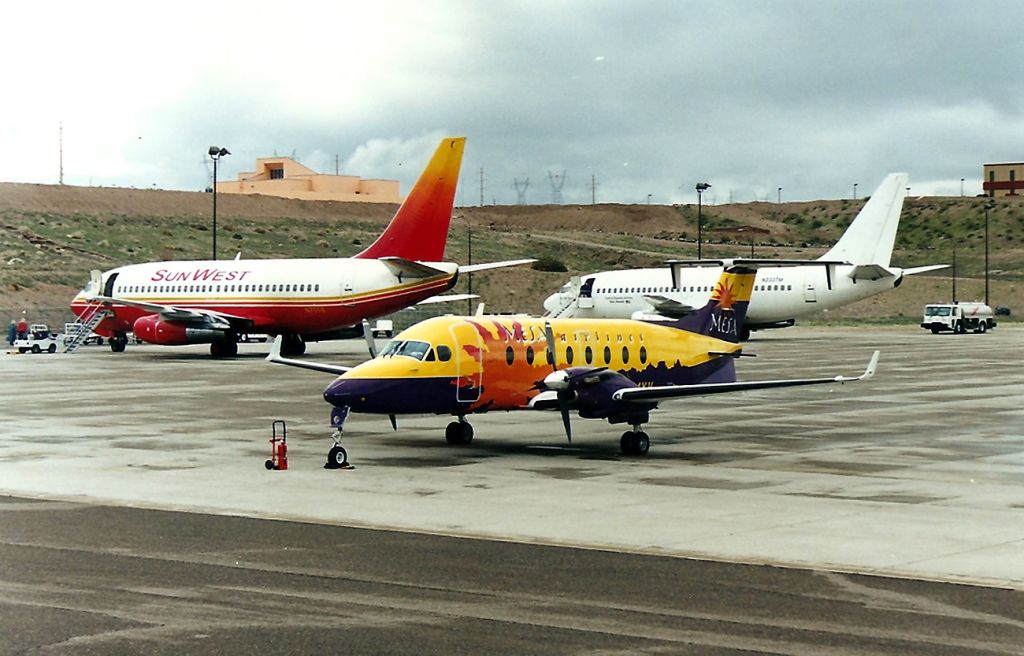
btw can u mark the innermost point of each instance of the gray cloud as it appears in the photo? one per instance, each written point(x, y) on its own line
point(648, 97)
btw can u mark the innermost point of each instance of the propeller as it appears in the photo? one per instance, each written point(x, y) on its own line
point(558, 381)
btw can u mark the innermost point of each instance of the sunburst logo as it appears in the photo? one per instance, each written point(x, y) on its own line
point(725, 296)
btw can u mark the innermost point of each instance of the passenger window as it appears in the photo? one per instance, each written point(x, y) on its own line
point(510, 355)
point(625, 355)
point(568, 355)
point(643, 355)
point(529, 355)
point(444, 353)
point(607, 355)
point(589, 355)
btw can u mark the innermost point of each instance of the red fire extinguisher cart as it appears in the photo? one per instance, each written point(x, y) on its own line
point(278, 446)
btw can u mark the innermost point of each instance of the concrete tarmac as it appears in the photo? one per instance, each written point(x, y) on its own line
point(915, 474)
point(81, 579)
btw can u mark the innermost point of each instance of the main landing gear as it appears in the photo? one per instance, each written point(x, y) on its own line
point(118, 342)
point(635, 442)
point(292, 345)
point(225, 348)
point(459, 432)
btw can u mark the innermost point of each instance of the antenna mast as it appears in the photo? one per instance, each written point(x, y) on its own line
point(60, 126)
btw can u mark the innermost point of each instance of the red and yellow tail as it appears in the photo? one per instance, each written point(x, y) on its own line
point(419, 230)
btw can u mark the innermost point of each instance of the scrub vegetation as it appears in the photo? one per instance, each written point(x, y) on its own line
point(51, 237)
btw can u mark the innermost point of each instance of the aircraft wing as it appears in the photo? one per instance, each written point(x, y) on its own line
point(648, 394)
point(275, 357)
point(470, 268)
point(175, 313)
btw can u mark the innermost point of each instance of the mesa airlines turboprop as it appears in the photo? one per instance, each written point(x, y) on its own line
point(857, 266)
point(614, 369)
point(214, 301)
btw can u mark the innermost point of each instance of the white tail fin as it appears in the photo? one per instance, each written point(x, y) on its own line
point(870, 238)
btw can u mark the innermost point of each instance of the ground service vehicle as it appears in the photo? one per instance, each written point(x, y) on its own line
point(958, 317)
point(39, 339)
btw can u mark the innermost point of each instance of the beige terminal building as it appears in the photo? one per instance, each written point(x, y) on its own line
point(285, 177)
point(1004, 179)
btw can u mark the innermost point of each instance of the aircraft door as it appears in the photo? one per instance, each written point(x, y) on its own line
point(468, 362)
point(108, 288)
point(810, 287)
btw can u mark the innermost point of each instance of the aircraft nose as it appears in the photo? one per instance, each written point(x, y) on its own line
point(343, 392)
point(551, 303)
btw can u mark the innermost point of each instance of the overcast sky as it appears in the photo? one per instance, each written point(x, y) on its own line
point(649, 98)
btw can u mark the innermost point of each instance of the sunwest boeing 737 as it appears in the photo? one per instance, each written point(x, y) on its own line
point(857, 266)
point(614, 369)
point(213, 301)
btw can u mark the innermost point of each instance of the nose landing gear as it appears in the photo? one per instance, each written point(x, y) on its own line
point(337, 456)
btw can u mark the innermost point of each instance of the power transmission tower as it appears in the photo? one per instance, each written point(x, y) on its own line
point(593, 189)
point(481, 186)
point(557, 182)
point(520, 188)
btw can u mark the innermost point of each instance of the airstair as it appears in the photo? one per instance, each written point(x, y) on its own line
point(93, 315)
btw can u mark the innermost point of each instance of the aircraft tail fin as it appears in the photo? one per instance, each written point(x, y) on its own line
point(419, 229)
point(725, 312)
point(870, 238)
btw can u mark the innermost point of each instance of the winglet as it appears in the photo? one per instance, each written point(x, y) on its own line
point(868, 373)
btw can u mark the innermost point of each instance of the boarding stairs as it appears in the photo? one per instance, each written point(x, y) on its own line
point(93, 315)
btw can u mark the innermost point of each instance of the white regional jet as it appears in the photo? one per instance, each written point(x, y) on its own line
point(855, 268)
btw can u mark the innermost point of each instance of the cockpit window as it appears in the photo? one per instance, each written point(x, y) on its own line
point(410, 348)
point(390, 348)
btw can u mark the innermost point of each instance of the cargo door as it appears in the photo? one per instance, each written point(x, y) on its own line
point(810, 287)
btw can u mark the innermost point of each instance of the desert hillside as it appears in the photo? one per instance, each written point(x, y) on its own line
point(52, 236)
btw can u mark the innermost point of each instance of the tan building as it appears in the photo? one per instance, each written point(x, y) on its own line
point(1003, 179)
point(283, 176)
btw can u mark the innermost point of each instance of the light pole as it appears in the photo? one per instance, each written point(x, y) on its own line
point(779, 201)
point(988, 206)
point(854, 191)
point(215, 154)
point(701, 188)
point(961, 187)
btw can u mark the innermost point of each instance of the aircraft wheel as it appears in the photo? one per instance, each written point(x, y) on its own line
point(641, 443)
point(292, 345)
point(458, 432)
point(337, 457)
point(224, 349)
point(118, 343)
point(626, 443)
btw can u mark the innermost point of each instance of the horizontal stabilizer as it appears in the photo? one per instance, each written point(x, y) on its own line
point(410, 269)
point(924, 269)
point(275, 357)
point(447, 297)
point(870, 272)
point(668, 307)
point(470, 268)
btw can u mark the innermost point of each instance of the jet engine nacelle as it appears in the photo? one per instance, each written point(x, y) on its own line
point(151, 328)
